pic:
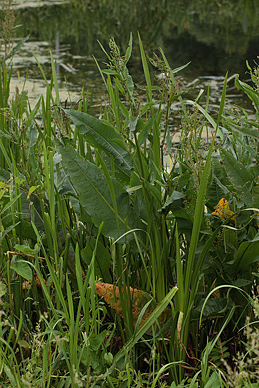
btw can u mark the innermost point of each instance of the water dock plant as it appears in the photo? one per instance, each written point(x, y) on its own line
point(89, 205)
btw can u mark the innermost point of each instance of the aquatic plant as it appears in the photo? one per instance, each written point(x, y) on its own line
point(174, 249)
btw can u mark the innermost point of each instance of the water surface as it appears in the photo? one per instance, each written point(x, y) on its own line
point(216, 36)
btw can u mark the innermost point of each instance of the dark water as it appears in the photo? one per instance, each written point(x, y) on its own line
point(216, 36)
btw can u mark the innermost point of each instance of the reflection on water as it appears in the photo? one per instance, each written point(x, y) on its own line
point(216, 36)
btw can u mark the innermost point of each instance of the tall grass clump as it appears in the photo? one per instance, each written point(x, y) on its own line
point(122, 262)
point(174, 240)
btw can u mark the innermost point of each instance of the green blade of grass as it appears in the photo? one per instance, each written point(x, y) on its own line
point(146, 325)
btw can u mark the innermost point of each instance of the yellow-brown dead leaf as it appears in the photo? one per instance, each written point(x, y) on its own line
point(138, 298)
point(223, 210)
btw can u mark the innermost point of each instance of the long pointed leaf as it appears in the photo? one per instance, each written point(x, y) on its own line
point(207, 116)
point(231, 126)
point(146, 70)
point(250, 92)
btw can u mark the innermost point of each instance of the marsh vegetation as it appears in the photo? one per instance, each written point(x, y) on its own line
point(128, 259)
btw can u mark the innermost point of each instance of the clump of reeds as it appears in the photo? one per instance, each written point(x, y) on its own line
point(7, 31)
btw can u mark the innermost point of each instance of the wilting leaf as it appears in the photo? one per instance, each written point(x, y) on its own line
point(223, 210)
point(139, 299)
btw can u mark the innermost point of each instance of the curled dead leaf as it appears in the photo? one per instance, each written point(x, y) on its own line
point(138, 298)
point(223, 210)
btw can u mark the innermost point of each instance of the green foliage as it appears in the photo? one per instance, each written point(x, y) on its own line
point(84, 198)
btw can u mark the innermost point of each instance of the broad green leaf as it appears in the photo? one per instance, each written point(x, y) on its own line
point(32, 137)
point(102, 258)
point(101, 135)
point(241, 178)
point(31, 190)
point(241, 283)
point(97, 339)
point(178, 69)
point(153, 190)
point(246, 255)
point(214, 193)
point(112, 72)
point(145, 130)
point(173, 71)
point(27, 250)
point(174, 202)
point(95, 197)
point(214, 307)
point(115, 169)
point(24, 344)
point(130, 85)
point(215, 381)
point(3, 289)
point(10, 204)
point(22, 268)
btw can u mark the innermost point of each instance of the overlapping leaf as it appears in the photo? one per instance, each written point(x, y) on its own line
point(103, 136)
point(238, 174)
point(95, 196)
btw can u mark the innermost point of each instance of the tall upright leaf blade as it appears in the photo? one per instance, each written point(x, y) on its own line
point(146, 70)
point(115, 169)
point(129, 50)
point(16, 48)
point(198, 216)
point(222, 101)
point(101, 135)
point(146, 325)
point(95, 197)
point(190, 282)
point(207, 116)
